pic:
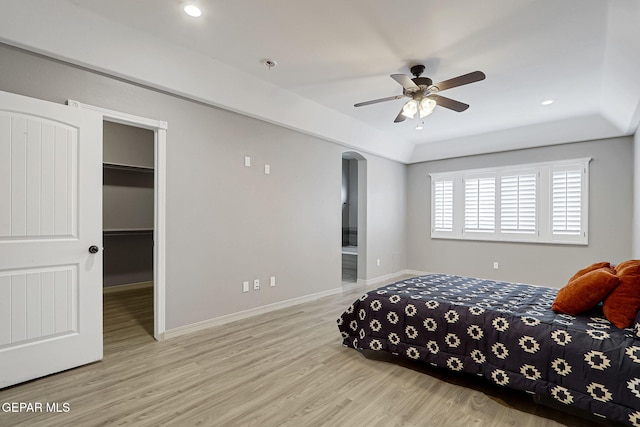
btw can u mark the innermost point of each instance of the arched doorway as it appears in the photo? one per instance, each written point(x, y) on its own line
point(354, 216)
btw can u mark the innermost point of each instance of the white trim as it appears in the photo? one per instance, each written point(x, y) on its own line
point(159, 236)
point(416, 272)
point(159, 248)
point(217, 321)
point(390, 276)
point(122, 118)
point(510, 168)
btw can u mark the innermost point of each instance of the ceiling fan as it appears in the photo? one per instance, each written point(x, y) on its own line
point(423, 93)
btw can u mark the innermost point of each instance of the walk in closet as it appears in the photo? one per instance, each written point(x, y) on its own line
point(128, 205)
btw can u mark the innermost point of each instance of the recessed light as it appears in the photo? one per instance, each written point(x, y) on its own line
point(192, 10)
point(547, 102)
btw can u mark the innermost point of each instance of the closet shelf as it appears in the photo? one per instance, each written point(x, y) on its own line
point(122, 166)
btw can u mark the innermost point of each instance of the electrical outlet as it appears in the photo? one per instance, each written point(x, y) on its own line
point(495, 265)
point(245, 286)
point(378, 262)
point(247, 161)
point(256, 285)
point(272, 281)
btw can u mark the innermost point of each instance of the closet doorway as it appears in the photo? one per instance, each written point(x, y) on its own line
point(354, 176)
point(159, 130)
point(128, 230)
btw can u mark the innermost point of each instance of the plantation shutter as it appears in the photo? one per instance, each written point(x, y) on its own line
point(536, 202)
point(479, 204)
point(567, 202)
point(443, 206)
point(518, 203)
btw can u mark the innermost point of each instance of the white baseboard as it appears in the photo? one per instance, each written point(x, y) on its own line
point(217, 321)
point(391, 276)
point(415, 272)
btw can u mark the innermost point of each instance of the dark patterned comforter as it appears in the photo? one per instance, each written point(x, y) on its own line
point(507, 333)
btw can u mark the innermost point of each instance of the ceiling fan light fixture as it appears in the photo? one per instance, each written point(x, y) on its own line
point(410, 109)
point(426, 107)
point(420, 91)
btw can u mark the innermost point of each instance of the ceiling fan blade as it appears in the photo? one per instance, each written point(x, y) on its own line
point(465, 79)
point(449, 103)
point(400, 117)
point(405, 81)
point(375, 101)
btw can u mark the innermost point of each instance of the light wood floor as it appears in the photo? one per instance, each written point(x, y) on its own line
point(349, 268)
point(285, 368)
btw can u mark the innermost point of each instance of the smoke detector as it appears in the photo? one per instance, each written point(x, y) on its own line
point(269, 63)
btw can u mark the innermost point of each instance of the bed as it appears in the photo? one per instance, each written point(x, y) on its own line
point(507, 333)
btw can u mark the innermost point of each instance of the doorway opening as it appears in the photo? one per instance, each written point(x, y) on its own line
point(353, 217)
point(128, 212)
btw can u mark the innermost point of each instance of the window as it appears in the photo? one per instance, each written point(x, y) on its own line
point(443, 206)
point(542, 202)
point(518, 203)
point(567, 201)
point(479, 204)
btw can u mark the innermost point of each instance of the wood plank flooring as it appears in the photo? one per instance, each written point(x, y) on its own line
point(349, 267)
point(284, 368)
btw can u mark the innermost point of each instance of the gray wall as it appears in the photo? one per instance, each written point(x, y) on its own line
point(127, 258)
point(127, 145)
point(386, 215)
point(635, 245)
point(610, 212)
point(127, 194)
point(227, 223)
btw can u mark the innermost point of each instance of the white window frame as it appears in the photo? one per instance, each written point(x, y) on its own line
point(543, 203)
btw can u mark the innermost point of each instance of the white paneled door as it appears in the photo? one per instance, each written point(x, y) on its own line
point(50, 238)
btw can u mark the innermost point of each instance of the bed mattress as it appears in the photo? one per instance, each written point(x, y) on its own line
point(507, 333)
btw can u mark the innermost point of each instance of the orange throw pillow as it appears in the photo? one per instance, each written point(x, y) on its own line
point(586, 291)
point(623, 265)
point(592, 267)
point(622, 305)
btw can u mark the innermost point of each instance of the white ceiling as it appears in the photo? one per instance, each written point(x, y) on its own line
point(584, 54)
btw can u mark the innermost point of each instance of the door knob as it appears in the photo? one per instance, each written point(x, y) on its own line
point(93, 249)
